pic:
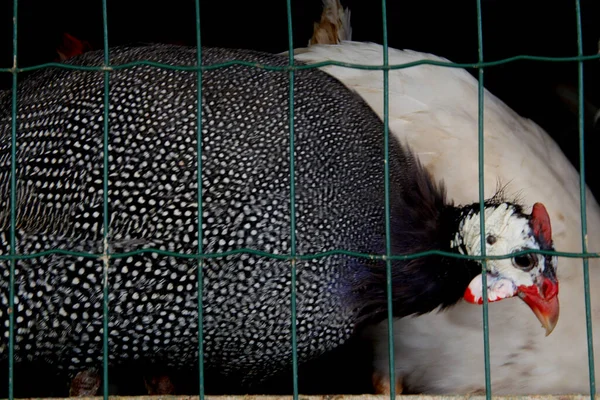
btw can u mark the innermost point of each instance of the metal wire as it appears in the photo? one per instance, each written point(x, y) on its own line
point(481, 152)
point(582, 199)
point(306, 256)
point(385, 67)
point(200, 236)
point(292, 164)
point(388, 236)
point(13, 213)
point(106, 221)
point(267, 67)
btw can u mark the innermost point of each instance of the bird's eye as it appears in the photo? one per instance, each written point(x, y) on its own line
point(525, 262)
point(491, 239)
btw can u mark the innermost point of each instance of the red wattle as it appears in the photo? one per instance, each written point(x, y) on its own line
point(470, 297)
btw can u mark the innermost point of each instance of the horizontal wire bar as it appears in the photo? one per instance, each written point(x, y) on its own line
point(308, 256)
point(343, 397)
point(301, 67)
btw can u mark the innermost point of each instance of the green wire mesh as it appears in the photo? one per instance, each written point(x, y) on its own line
point(199, 226)
point(13, 206)
point(106, 228)
point(586, 266)
point(292, 205)
point(480, 97)
point(386, 182)
point(292, 257)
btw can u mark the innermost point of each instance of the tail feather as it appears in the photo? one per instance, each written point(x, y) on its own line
point(334, 26)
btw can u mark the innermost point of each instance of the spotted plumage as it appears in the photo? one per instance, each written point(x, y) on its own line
point(153, 203)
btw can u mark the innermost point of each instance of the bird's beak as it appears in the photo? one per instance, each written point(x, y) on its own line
point(542, 297)
point(543, 301)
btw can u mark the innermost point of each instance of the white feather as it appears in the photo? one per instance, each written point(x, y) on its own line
point(434, 109)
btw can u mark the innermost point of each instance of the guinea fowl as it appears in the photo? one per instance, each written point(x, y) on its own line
point(153, 204)
point(434, 109)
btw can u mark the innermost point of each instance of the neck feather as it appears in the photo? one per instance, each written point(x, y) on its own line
point(423, 284)
point(421, 219)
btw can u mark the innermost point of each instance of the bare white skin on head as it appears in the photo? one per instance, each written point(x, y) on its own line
point(498, 288)
point(506, 232)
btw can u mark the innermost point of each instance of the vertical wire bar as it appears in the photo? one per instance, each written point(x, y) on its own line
point(199, 183)
point(582, 199)
point(13, 208)
point(388, 241)
point(480, 116)
point(292, 204)
point(105, 230)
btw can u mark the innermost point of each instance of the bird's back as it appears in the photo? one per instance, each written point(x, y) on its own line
point(153, 203)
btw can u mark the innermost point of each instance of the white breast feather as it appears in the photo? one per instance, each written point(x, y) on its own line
point(434, 109)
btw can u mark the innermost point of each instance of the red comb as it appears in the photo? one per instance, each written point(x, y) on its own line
point(71, 47)
point(540, 222)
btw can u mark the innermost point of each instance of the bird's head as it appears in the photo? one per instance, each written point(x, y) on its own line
point(531, 277)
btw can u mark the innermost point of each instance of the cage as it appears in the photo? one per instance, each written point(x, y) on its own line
point(14, 71)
